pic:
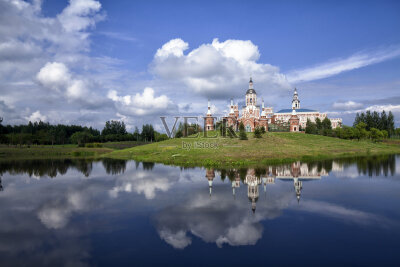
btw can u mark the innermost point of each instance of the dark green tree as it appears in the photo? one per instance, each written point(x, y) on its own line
point(136, 134)
point(390, 123)
point(383, 122)
point(257, 133)
point(311, 128)
point(357, 120)
point(114, 127)
point(242, 132)
point(318, 123)
point(326, 124)
point(375, 120)
point(148, 133)
point(81, 138)
point(368, 120)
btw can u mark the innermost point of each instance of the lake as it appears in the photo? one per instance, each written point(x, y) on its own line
point(115, 212)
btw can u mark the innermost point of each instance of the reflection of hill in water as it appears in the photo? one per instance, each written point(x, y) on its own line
point(52, 168)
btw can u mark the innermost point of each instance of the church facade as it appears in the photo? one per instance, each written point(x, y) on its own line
point(283, 116)
point(253, 116)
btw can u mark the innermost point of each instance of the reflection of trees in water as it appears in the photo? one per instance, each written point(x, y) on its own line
point(52, 168)
point(114, 166)
point(1, 185)
point(37, 167)
point(321, 165)
point(372, 165)
point(148, 165)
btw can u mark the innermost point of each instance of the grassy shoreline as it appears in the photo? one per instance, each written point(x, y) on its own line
point(61, 151)
point(273, 148)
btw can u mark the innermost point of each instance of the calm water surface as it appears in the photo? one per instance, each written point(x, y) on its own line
point(111, 212)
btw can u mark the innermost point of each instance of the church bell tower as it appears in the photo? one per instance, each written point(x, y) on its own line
point(251, 95)
point(295, 101)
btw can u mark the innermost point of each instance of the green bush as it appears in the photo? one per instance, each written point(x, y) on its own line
point(376, 135)
point(257, 133)
point(242, 132)
point(92, 145)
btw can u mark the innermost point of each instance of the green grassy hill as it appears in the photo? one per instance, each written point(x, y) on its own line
point(272, 148)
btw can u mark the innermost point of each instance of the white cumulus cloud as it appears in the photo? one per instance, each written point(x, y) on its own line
point(175, 47)
point(145, 103)
point(36, 116)
point(77, 89)
point(54, 75)
point(79, 15)
point(57, 77)
point(217, 69)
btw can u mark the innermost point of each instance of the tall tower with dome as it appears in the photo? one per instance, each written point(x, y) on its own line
point(250, 112)
point(251, 95)
point(295, 101)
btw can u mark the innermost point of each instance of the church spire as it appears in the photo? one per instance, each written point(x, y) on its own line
point(262, 109)
point(298, 185)
point(295, 101)
point(251, 83)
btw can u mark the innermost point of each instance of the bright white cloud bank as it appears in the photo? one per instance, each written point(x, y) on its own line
point(218, 69)
point(34, 47)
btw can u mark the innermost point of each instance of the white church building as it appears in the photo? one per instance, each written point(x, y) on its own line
point(283, 115)
point(253, 115)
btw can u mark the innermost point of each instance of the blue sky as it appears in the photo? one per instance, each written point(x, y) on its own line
point(90, 61)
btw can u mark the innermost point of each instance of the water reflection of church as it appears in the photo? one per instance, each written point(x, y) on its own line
point(253, 178)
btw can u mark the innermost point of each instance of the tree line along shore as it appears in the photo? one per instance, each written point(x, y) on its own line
point(191, 147)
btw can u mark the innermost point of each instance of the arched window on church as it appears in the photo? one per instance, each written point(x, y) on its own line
point(251, 100)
